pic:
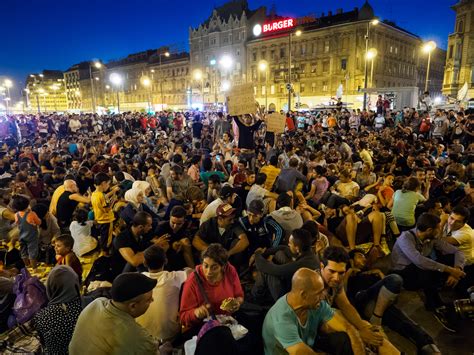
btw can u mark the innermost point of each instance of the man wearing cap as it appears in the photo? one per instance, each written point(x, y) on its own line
point(109, 327)
point(262, 232)
point(223, 230)
point(226, 195)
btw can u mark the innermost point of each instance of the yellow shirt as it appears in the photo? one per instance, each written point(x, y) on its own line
point(54, 199)
point(103, 212)
point(272, 174)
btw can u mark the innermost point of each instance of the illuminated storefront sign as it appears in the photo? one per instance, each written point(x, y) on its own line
point(273, 26)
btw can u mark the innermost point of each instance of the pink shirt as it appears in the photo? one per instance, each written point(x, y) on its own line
point(193, 173)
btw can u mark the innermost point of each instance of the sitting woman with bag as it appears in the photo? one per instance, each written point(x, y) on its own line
point(213, 288)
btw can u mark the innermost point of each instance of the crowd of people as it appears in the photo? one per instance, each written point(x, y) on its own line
point(197, 223)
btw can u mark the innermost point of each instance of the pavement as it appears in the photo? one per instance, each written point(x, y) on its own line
point(460, 343)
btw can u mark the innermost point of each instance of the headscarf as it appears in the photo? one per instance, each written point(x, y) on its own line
point(131, 196)
point(141, 185)
point(62, 285)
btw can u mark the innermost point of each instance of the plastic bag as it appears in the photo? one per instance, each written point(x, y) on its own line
point(30, 297)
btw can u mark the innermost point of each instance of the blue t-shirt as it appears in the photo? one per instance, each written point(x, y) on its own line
point(282, 328)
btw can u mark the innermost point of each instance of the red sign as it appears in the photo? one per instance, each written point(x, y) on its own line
point(278, 25)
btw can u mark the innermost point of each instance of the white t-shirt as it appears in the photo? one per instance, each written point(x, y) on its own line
point(83, 241)
point(465, 238)
point(256, 192)
point(161, 318)
point(210, 211)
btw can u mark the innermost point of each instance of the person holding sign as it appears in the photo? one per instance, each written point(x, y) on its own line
point(247, 129)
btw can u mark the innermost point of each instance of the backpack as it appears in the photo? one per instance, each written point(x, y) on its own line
point(30, 297)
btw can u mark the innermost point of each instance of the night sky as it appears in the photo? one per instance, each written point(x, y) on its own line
point(54, 34)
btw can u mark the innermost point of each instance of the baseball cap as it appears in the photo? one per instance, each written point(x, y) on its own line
point(226, 191)
point(129, 285)
point(225, 210)
point(256, 207)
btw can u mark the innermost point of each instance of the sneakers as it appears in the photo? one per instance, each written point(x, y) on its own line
point(441, 315)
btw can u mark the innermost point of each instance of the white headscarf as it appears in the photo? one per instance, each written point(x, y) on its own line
point(131, 196)
point(141, 185)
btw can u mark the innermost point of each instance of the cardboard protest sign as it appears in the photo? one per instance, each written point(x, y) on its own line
point(241, 100)
point(276, 122)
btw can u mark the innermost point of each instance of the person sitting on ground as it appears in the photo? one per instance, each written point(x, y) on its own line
point(161, 318)
point(412, 259)
point(220, 282)
point(294, 323)
point(258, 192)
point(374, 294)
point(227, 195)
point(288, 218)
point(271, 171)
point(404, 202)
point(289, 177)
point(63, 245)
point(274, 278)
point(55, 323)
point(109, 327)
point(333, 268)
point(223, 230)
point(81, 232)
point(136, 203)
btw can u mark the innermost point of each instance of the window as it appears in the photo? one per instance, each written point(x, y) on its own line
point(282, 74)
point(313, 87)
point(396, 50)
point(461, 26)
point(282, 52)
point(255, 90)
point(450, 51)
point(254, 56)
point(213, 41)
point(264, 54)
point(302, 87)
point(282, 88)
point(343, 64)
point(391, 49)
point(272, 54)
point(313, 67)
point(272, 89)
point(325, 86)
point(326, 46)
point(325, 66)
point(303, 49)
point(263, 89)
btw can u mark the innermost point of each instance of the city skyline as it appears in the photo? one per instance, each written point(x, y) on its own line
point(33, 45)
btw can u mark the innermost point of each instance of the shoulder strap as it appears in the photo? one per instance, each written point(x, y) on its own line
point(203, 293)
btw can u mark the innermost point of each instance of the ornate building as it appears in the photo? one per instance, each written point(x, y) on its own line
point(328, 53)
point(218, 50)
point(460, 59)
point(46, 92)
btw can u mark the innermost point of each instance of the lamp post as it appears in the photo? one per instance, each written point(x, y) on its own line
point(146, 82)
point(166, 54)
point(198, 76)
point(371, 54)
point(374, 22)
point(117, 80)
point(296, 33)
point(428, 48)
point(8, 84)
point(263, 67)
point(98, 65)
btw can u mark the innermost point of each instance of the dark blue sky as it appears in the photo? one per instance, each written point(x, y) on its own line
point(54, 34)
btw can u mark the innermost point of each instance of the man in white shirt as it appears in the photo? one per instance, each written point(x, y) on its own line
point(457, 232)
point(226, 195)
point(161, 318)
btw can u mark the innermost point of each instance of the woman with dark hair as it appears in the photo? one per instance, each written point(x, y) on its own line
point(404, 202)
point(48, 231)
point(56, 322)
point(220, 293)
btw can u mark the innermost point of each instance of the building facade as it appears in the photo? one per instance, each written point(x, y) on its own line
point(46, 92)
point(328, 54)
point(459, 70)
point(218, 50)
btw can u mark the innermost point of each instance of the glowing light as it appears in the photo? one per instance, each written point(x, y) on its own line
point(226, 62)
point(116, 79)
point(429, 46)
point(371, 53)
point(262, 65)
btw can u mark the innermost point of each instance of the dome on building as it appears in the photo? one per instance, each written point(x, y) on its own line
point(366, 12)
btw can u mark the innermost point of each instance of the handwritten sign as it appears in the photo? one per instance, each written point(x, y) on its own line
point(241, 100)
point(276, 122)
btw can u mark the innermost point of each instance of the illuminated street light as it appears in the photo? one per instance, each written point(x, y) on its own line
point(428, 47)
point(298, 33)
point(41, 75)
point(226, 62)
point(197, 74)
point(146, 82)
point(373, 22)
point(8, 83)
point(213, 62)
point(226, 86)
point(370, 55)
point(98, 65)
point(117, 80)
point(263, 67)
point(107, 87)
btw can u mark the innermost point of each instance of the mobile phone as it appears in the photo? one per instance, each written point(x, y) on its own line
point(218, 158)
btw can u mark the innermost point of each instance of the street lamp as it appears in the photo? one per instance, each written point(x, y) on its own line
point(371, 54)
point(263, 67)
point(428, 47)
point(296, 33)
point(146, 82)
point(373, 22)
point(225, 85)
point(166, 54)
point(198, 76)
point(8, 84)
point(97, 65)
point(117, 80)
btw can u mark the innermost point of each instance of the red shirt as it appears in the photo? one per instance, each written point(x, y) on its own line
point(152, 122)
point(290, 124)
point(192, 297)
point(143, 122)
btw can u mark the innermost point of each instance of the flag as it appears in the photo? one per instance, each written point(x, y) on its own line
point(462, 92)
point(339, 92)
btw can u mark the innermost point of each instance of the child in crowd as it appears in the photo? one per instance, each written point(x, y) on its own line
point(63, 246)
point(81, 232)
point(28, 223)
point(102, 202)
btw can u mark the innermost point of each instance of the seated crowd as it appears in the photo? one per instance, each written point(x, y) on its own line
point(168, 226)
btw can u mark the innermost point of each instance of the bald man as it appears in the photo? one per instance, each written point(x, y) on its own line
point(67, 203)
point(294, 323)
